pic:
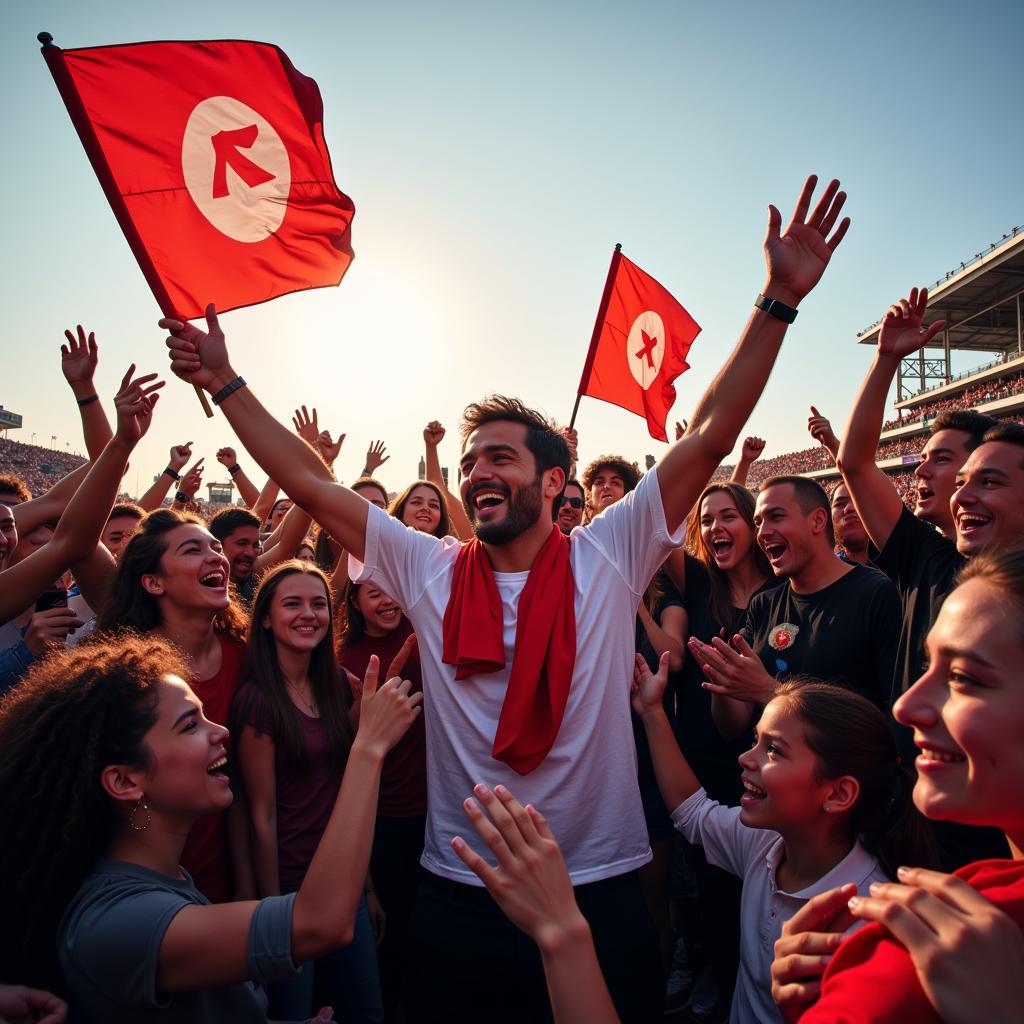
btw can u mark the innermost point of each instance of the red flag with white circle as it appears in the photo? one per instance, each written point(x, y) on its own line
point(639, 347)
point(212, 156)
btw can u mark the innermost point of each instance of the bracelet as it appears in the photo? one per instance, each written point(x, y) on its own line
point(88, 401)
point(779, 310)
point(174, 476)
point(228, 389)
point(236, 468)
point(182, 496)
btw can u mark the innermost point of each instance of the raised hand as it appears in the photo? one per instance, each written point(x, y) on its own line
point(805, 948)
point(134, 403)
point(180, 454)
point(648, 688)
point(192, 480)
point(797, 258)
point(968, 954)
point(306, 426)
point(199, 357)
point(820, 428)
point(733, 670)
point(572, 439)
point(226, 457)
point(385, 712)
point(329, 448)
point(530, 883)
point(433, 434)
point(752, 448)
point(680, 429)
point(375, 457)
point(902, 332)
point(78, 358)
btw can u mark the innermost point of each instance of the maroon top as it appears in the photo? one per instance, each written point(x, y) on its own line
point(206, 856)
point(403, 780)
point(305, 792)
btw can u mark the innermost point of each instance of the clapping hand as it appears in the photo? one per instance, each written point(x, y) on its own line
point(733, 670)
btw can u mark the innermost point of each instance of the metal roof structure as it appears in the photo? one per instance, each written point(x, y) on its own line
point(982, 302)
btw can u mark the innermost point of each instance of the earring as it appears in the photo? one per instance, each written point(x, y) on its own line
point(131, 817)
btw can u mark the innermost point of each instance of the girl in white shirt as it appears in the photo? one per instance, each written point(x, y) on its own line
point(826, 802)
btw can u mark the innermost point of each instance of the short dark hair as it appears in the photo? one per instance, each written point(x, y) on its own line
point(127, 508)
point(369, 481)
point(968, 421)
point(11, 484)
point(543, 438)
point(1006, 431)
point(629, 471)
point(809, 496)
point(574, 483)
point(227, 520)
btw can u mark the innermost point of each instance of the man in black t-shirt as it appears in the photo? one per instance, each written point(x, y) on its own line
point(832, 620)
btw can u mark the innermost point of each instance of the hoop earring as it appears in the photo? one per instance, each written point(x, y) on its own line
point(131, 817)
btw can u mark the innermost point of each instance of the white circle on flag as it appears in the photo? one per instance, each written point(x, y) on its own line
point(236, 169)
point(645, 348)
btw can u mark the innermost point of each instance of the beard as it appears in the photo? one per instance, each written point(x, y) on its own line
point(524, 509)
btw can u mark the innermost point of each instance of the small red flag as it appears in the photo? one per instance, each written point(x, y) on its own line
point(213, 158)
point(639, 347)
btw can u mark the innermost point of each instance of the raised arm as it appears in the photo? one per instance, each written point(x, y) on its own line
point(246, 488)
point(207, 946)
point(877, 502)
point(676, 779)
point(820, 428)
point(78, 361)
point(795, 261)
point(79, 529)
point(433, 435)
point(176, 462)
point(293, 528)
point(49, 507)
point(201, 358)
point(749, 454)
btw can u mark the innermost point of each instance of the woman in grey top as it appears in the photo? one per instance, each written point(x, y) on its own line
point(106, 760)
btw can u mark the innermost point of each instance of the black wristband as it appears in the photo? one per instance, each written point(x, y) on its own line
point(88, 401)
point(174, 476)
point(228, 389)
point(779, 310)
point(182, 496)
point(234, 469)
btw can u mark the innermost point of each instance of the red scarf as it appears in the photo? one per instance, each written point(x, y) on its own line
point(545, 653)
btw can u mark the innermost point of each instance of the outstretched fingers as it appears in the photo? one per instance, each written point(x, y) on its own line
point(823, 207)
point(803, 204)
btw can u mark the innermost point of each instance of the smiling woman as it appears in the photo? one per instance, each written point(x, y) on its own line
point(422, 507)
point(172, 581)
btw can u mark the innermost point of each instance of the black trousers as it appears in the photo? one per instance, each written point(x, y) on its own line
point(396, 871)
point(472, 964)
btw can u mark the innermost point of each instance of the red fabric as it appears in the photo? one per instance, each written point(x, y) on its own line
point(640, 347)
point(156, 165)
point(872, 980)
point(206, 857)
point(545, 651)
point(403, 777)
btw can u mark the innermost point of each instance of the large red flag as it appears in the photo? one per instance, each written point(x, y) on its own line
point(639, 347)
point(213, 158)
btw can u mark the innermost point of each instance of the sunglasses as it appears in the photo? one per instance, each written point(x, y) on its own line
point(574, 502)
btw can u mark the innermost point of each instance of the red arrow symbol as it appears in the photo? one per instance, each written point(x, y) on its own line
point(226, 146)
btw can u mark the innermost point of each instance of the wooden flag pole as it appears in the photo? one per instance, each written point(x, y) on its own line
point(602, 309)
point(54, 57)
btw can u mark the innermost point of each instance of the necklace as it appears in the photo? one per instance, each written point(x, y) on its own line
point(302, 698)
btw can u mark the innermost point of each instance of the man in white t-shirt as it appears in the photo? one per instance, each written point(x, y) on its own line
point(514, 468)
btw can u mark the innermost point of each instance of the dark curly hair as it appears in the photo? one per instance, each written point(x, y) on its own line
point(129, 606)
point(73, 714)
point(629, 471)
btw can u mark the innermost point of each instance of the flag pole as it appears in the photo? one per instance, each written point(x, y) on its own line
point(602, 309)
point(54, 57)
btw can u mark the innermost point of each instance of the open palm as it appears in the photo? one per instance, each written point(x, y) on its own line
point(901, 332)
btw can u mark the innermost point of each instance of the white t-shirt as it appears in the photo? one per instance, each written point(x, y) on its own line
point(754, 854)
point(586, 786)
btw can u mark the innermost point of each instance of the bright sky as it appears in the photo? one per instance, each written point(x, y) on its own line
point(495, 154)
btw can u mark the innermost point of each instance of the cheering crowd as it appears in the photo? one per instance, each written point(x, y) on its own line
point(446, 756)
